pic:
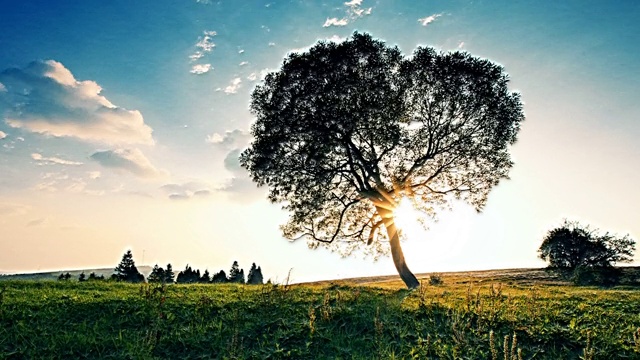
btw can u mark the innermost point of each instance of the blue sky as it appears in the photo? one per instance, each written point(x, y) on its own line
point(121, 121)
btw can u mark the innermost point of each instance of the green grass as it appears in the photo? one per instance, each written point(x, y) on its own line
point(465, 318)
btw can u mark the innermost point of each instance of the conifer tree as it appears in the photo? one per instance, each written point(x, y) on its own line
point(255, 275)
point(127, 270)
point(82, 277)
point(169, 276)
point(236, 275)
point(157, 275)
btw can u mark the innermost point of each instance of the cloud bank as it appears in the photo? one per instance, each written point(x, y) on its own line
point(45, 98)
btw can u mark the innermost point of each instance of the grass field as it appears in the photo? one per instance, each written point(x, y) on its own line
point(481, 315)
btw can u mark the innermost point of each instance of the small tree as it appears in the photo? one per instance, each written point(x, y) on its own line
point(236, 275)
point(255, 275)
point(219, 277)
point(157, 275)
point(572, 245)
point(82, 277)
point(127, 270)
point(188, 276)
point(205, 278)
point(584, 255)
point(169, 276)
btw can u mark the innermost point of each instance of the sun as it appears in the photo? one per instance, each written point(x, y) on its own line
point(407, 218)
point(438, 246)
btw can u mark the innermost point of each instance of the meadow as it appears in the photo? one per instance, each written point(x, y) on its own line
point(526, 314)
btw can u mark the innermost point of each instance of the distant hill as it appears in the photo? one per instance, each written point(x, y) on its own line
point(53, 275)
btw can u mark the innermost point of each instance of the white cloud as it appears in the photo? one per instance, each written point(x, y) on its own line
point(45, 98)
point(2, 87)
point(205, 42)
point(200, 69)
point(131, 160)
point(252, 77)
point(461, 45)
point(335, 22)
point(240, 187)
point(429, 19)
point(233, 86)
point(354, 3)
point(196, 55)
point(2, 135)
point(271, 44)
point(52, 160)
point(231, 139)
point(244, 63)
point(241, 51)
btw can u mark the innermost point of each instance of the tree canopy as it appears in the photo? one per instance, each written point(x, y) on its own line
point(345, 130)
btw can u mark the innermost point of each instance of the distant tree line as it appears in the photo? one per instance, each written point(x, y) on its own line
point(128, 272)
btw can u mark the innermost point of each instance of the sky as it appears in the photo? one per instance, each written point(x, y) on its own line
point(121, 123)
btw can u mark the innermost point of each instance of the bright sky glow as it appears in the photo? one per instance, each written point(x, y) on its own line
point(121, 123)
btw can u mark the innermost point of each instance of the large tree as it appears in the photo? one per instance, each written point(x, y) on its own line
point(127, 270)
point(345, 130)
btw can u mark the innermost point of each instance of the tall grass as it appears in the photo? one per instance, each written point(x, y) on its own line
point(71, 320)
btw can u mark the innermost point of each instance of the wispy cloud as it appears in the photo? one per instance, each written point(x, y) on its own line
point(37, 222)
point(45, 98)
point(10, 209)
point(131, 160)
point(2, 87)
point(52, 160)
point(233, 86)
point(354, 11)
point(189, 190)
point(2, 135)
point(252, 77)
point(203, 46)
point(429, 19)
point(243, 63)
point(335, 22)
point(200, 69)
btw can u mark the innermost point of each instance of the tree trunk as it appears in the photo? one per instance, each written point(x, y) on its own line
point(396, 250)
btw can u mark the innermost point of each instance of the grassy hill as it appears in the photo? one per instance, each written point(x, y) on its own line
point(527, 314)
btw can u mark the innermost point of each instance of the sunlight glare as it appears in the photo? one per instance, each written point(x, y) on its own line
point(436, 247)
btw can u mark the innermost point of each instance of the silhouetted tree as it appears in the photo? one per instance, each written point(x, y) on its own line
point(127, 270)
point(236, 275)
point(219, 277)
point(169, 276)
point(205, 278)
point(188, 276)
point(157, 275)
point(345, 131)
point(82, 277)
point(572, 245)
point(94, 277)
point(255, 275)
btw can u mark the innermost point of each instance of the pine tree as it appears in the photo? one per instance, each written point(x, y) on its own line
point(157, 275)
point(82, 277)
point(255, 275)
point(234, 273)
point(169, 276)
point(127, 270)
